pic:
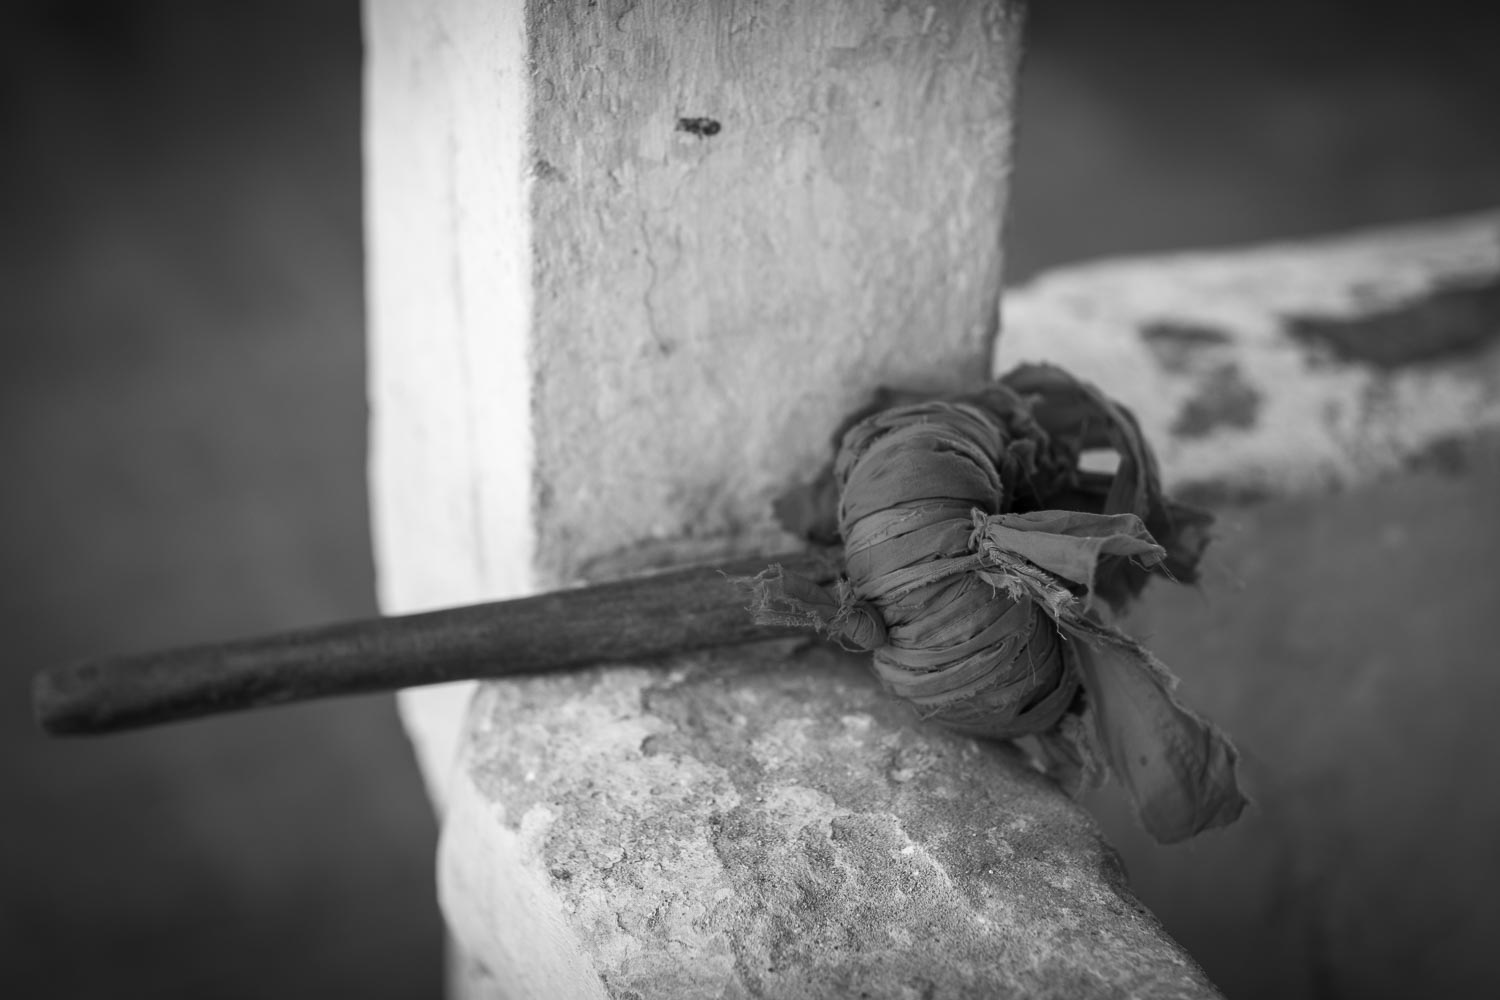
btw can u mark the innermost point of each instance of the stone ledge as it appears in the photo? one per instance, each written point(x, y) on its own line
point(1286, 368)
point(766, 824)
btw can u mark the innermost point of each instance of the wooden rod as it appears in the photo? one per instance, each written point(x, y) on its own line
point(640, 618)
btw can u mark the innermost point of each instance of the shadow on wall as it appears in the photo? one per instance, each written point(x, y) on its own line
point(182, 392)
point(183, 446)
point(1172, 125)
point(1348, 642)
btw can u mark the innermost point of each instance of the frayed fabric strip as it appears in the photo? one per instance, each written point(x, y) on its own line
point(781, 598)
point(980, 562)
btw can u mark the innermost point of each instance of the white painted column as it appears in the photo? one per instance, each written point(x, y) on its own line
point(630, 264)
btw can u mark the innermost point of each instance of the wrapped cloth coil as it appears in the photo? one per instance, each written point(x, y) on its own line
point(981, 563)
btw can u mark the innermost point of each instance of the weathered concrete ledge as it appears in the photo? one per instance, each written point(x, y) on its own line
point(759, 824)
point(1285, 368)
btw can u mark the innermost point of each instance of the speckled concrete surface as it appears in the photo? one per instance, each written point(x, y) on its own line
point(752, 823)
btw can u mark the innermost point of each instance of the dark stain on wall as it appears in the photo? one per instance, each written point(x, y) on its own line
point(544, 170)
point(1216, 494)
point(1450, 322)
point(1452, 455)
point(1224, 399)
point(1177, 345)
point(703, 128)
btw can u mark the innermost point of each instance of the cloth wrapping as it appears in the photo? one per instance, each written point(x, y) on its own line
point(980, 566)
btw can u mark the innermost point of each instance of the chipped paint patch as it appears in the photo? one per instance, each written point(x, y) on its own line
point(1177, 345)
point(1223, 400)
point(1450, 321)
point(1454, 454)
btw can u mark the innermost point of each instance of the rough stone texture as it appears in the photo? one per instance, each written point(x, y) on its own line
point(1286, 368)
point(769, 824)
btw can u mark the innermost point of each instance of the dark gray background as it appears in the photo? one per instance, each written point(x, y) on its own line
point(182, 451)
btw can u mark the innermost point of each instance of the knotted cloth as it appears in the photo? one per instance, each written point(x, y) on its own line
point(979, 564)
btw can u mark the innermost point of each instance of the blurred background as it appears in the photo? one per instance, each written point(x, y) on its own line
point(182, 458)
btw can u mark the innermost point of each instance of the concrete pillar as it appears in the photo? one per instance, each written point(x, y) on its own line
point(630, 263)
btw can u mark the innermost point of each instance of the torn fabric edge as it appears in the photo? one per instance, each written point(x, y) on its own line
point(1177, 768)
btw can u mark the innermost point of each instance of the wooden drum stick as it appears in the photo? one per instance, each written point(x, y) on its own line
point(650, 616)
